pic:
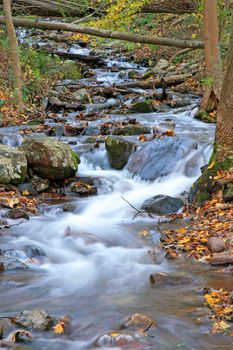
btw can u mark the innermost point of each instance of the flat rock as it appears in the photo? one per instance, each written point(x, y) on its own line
point(223, 258)
point(16, 214)
point(161, 279)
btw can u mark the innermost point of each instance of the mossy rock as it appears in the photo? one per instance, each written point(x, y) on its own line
point(204, 117)
point(70, 70)
point(50, 158)
point(13, 165)
point(142, 107)
point(130, 130)
point(119, 151)
point(228, 193)
point(206, 185)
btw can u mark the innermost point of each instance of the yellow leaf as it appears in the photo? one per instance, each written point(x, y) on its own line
point(182, 230)
point(144, 233)
point(59, 328)
point(211, 165)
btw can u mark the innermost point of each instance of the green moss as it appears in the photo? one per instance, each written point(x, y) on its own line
point(205, 117)
point(206, 185)
point(76, 158)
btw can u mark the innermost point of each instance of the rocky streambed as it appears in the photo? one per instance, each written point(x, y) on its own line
point(93, 270)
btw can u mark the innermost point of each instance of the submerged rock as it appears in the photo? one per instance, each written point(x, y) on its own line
point(13, 165)
point(160, 157)
point(162, 205)
point(50, 158)
point(37, 319)
point(118, 151)
point(138, 322)
point(115, 339)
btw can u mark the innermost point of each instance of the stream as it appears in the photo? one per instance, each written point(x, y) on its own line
point(93, 264)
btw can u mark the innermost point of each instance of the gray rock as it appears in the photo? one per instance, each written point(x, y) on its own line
point(69, 207)
point(36, 319)
point(216, 245)
point(81, 96)
point(160, 157)
point(162, 205)
point(50, 158)
point(162, 65)
point(13, 165)
point(118, 151)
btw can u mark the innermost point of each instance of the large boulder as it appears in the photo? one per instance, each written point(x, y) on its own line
point(13, 165)
point(162, 205)
point(50, 158)
point(160, 157)
point(118, 151)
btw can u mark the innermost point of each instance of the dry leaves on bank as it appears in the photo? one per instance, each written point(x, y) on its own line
point(13, 199)
point(214, 219)
point(221, 304)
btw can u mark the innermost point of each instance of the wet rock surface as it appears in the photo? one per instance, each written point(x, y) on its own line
point(162, 205)
point(36, 319)
point(160, 157)
point(138, 322)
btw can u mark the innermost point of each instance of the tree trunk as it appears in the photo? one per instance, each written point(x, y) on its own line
point(224, 132)
point(171, 6)
point(14, 54)
point(212, 57)
point(136, 38)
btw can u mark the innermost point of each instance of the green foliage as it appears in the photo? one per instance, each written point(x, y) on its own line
point(119, 13)
point(39, 69)
point(207, 82)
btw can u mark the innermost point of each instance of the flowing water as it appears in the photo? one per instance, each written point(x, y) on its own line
point(96, 266)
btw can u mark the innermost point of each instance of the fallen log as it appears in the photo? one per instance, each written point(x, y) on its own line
point(155, 83)
point(137, 38)
point(92, 60)
point(50, 7)
point(171, 6)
